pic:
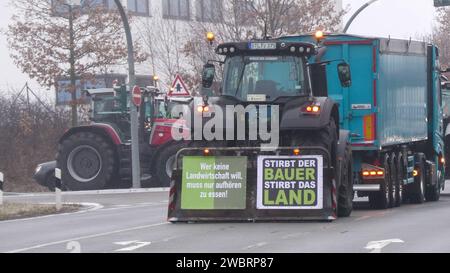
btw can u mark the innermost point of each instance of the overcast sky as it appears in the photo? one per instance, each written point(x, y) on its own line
point(398, 18)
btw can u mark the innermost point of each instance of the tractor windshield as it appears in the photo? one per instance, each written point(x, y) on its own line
point(106, 105)
point(261, 78)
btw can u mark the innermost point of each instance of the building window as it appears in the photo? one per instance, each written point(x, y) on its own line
point(209, 10)
point(110, 4)
point(61, 8)
point(176, 9)
point(139, 7)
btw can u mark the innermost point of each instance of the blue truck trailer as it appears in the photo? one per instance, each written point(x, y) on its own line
point(393, 110)
point(353, 114)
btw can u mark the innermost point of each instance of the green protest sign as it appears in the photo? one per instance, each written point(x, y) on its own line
point(214, 183)
point(290, 182)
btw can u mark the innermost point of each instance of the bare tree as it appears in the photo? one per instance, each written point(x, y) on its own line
point(286, 17)
point(441, 36)
point(30, 130)
point(165, 48)
point(245, 19)
point(49, 40)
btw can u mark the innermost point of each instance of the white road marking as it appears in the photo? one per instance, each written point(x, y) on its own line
point(131, 207)
point(135, 245)
point(377, 246)
point(86, 237)
point(74, 247)
point(261, 244)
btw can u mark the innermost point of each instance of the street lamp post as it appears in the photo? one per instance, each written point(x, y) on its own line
point(363, 7)
point(73, 80)
point(136, 169)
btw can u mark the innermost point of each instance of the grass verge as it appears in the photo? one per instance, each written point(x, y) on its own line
point(12, 211)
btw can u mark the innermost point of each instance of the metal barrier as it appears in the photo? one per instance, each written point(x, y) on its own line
point(251, 211)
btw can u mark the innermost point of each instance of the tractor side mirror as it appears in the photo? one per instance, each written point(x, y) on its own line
point(209, 72)
point(344, 74)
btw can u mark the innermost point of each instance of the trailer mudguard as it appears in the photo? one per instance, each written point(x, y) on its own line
point(294, 118)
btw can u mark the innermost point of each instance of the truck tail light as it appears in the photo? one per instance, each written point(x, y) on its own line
point(311, 109)
point(374, 174)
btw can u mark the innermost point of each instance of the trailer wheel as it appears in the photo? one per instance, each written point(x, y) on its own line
point(399, 182)
point(382, 199)
point(165, 163)
point(394, 182)
point(433, 192)
point(346, 193)
point(417, 189)
point(87, 162)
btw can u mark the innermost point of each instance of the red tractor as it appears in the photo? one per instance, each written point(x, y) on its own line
point(98, 156)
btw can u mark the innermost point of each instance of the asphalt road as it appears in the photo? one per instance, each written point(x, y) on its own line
point(136, 222)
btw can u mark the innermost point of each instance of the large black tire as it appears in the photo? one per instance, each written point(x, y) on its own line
point(394, 181)
point(165, 162)
point(326, 138)
point(416, 190)
point(401, 171)
point(433, 192)
point(382, 199)
point(346, 193)
point(87, 162)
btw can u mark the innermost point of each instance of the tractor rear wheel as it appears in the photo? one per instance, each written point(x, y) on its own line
point(87, 162)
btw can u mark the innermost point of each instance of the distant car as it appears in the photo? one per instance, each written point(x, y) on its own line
point(44, 175)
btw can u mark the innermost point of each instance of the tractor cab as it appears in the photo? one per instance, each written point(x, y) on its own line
point(262, 71)
point(106, 102)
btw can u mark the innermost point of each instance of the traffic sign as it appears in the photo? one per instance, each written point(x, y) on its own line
point(179, 88)
point(441, 3)
point(137, 96)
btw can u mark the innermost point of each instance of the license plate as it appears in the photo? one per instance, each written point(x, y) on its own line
point(263, 46)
